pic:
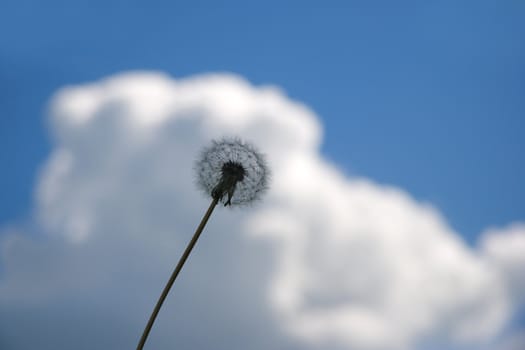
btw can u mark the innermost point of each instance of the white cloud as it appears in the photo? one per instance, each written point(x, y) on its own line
point(512, 342)
point(505, 249)
point(324, 262)
point(367, 265)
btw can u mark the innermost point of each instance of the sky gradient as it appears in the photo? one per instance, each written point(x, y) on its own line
point(426, 97)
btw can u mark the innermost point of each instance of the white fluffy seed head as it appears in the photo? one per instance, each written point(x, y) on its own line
point(232, 171)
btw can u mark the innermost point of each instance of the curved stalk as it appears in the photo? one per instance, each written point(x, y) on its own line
point(179, 266)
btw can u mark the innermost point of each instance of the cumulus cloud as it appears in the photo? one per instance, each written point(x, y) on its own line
point(323, 262)
point(505, 249)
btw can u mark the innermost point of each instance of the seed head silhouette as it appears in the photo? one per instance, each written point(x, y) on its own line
point(232, 171)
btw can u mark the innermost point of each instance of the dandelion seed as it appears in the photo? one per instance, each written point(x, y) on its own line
point(231, 172)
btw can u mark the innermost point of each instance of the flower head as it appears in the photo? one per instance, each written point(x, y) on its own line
point(232, 171)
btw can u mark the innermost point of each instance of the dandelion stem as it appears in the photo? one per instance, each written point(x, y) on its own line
point(179, 266)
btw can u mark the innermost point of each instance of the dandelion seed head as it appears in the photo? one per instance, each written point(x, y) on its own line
point(232, 171)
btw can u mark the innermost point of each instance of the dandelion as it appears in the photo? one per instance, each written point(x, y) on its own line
point(232, 172)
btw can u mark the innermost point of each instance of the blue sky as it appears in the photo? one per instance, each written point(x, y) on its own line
point(426, 96)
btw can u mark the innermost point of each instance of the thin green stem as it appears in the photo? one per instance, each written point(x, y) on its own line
point(179, 266)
